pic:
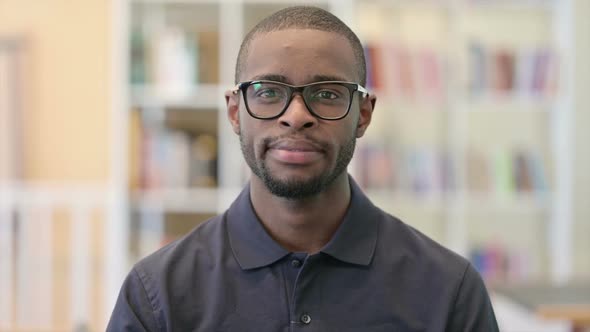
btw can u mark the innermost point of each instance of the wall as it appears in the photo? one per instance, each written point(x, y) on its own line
point(65, 124)
point(66, 107)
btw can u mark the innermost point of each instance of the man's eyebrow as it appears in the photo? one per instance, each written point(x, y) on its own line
point(272, 77)
point(322, 78)
point(284, 79)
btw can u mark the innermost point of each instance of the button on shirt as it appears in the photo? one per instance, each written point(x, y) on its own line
point(296, 263)
point(375, 274)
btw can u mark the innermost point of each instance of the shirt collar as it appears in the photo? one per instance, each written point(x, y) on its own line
point(356, 238)
point(354, 241)
point(251, 244)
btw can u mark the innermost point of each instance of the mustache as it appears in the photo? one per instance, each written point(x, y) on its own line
point(269, 141)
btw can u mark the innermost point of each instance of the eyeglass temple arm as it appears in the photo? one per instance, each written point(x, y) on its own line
point(236, 88)
point(362, 90)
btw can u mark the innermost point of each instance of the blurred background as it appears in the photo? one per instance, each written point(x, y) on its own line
point(114, 141)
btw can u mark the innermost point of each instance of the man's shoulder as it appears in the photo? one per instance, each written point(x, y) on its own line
point(404, 242)
point(201, 245)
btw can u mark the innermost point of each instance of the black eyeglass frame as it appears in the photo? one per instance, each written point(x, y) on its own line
point(351, 86)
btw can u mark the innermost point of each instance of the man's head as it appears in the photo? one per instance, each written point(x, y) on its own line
point(297, 154)
point(304, 17)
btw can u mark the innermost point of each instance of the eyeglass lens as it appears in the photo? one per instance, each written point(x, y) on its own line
point(267, 100)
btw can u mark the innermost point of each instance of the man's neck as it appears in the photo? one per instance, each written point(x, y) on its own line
point(304, 225)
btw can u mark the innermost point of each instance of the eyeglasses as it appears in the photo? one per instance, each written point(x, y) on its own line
point(328, 100)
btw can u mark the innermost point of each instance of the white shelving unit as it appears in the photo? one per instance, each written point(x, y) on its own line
point(517, 120)
point(457, 218)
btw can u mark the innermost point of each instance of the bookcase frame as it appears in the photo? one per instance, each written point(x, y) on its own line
point(454, 231)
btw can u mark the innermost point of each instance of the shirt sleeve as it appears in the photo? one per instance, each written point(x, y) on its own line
point(473, 309)
point(133, 311)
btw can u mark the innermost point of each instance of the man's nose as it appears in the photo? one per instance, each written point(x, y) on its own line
point(297, 116)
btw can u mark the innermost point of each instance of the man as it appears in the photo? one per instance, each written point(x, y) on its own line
point(302, 248)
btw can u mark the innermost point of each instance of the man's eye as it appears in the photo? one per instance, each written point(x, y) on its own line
point(325, 95)
point(268, 93)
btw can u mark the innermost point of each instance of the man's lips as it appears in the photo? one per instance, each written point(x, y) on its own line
point(297, 152)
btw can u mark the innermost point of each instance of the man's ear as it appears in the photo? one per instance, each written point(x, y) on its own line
point(232, 101)
point(367, 105)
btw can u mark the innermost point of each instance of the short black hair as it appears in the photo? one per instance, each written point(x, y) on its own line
point(304, 17)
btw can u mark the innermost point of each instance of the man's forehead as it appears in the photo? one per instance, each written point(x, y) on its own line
point(292, 34)
point(313, 77)
point(312, 54)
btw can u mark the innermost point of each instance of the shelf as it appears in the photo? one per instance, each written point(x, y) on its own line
point(483, 202)
point(486, 202)
point(511, 5)
point(385, 198)
point(405, 104)
point(193, 200)
point(204, 96)
point(510, 102)
point(206, 200)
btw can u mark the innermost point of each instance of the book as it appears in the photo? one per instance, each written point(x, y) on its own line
point(430, 75)
point(478, 172)
point(208, 58)
point(524, 72)
point(537, 172)
point(203, 161)
point(407, 79)
point(375, 166)
point(175, 69)
point(522, 172)
point(503, 71)
point(478, 72)
point(137, 57)
point(503, 174)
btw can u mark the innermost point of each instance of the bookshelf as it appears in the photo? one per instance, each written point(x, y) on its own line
point(466, 143)
point(481, 143)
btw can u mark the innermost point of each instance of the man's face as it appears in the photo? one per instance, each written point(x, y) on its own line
point(298, 155)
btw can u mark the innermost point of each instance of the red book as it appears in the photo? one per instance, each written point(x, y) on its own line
point(503, 72)
point(406, 73)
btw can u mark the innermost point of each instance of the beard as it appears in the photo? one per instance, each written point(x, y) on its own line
point(296, 189)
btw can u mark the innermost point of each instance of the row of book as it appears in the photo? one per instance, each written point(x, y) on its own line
point(380, 166)
point(173, 60)
point(506, 172)
point(419, 171)
point(529, 72)
point(420, 73)
point(406, 72)
point(177, 159)
point(498, 264)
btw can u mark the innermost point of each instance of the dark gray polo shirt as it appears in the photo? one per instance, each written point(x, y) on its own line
point(376, 274)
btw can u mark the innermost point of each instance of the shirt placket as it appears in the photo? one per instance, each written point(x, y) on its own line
point(304, 302)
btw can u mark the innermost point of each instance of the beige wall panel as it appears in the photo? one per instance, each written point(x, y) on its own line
point(67, 96)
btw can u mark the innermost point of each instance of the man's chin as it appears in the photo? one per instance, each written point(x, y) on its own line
point(297, 187)
point(293, 178)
